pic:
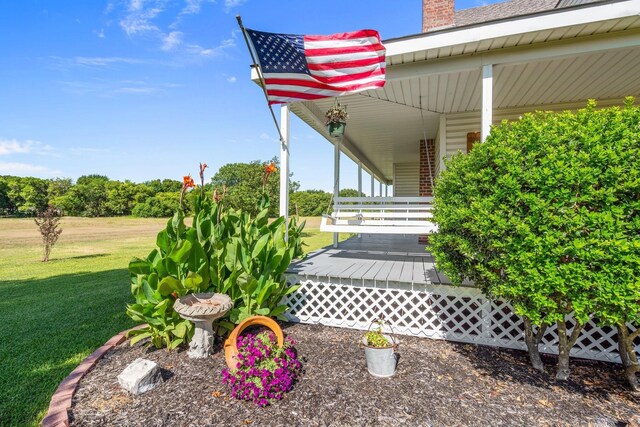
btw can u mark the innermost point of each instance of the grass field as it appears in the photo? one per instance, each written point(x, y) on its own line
point(54, 314)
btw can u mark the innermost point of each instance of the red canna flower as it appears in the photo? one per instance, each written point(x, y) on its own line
point(187, 182)
point(270, 168)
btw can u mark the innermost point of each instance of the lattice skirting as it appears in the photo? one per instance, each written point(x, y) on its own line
point(433, 311)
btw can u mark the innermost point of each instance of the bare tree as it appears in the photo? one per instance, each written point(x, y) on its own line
point(47, 222)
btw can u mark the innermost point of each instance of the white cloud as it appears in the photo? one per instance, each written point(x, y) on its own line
point(100, 33)
point(109, 8)
point(232, 79)
point(230, 4)
point(109, 88)
point(172, 40)
point(213, 51)
point(13, 146)
point(193, 6)
point(265, 136)
point(26, 169)
point(140, 16)
point(135, 90)
point(98, 61)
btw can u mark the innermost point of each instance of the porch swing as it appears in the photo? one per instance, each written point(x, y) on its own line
point(382, 215)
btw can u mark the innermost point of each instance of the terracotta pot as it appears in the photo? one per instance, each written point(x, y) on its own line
point(231, 344)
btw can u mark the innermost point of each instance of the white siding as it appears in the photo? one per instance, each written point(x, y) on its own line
point(406, 179)
point(458, 125)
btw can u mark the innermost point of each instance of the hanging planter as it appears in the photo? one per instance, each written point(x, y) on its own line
point(336, 120)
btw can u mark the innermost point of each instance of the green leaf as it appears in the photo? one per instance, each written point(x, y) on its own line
point(291, 289)
point(263, 311)
point(278, 310)
point(231, 254)
point(148, 292)
point(139, 337)
point(168, 285)
point(264, 293)
point(259, 246)
point(181, 252)
point(139, 266)
point(192, 281)
point(163, 241)
point(181, 329)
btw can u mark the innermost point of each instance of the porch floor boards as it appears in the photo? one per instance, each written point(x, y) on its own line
point(373, 258)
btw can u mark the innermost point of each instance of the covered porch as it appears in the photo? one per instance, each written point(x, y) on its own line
point(446, 88)
point(444, 91)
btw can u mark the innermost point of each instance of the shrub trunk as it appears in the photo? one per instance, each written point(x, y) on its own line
point(565, 343)
point(628, 355)
point(533, 342)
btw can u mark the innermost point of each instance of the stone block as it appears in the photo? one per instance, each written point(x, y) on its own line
point(140, 376)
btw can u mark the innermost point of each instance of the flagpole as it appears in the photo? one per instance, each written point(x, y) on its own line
point(262, 82)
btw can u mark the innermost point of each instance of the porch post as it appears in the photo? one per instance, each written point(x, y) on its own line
point(284, 166)
point(359, 179)
point(336, 181)
point(386, 190)
point(487, 100)
point(372, 184)
point(380, 188)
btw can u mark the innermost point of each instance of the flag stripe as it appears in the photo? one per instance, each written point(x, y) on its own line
point(328, 59)
point(345, 36)
point(325, 44)
point(290, 84)
point(322, 80)
point(342, 50)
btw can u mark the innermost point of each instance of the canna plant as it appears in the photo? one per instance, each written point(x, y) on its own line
point(224, 250)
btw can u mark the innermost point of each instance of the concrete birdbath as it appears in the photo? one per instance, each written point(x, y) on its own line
point(202, 309)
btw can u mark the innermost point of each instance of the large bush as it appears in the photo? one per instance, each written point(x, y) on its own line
point(224, 250)
point(545, 214)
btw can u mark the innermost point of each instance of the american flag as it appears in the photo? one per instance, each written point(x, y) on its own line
point(299, 68)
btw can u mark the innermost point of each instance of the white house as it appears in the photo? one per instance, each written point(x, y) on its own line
point(467, 70)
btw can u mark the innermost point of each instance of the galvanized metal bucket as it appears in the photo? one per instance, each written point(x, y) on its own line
point(381, 361)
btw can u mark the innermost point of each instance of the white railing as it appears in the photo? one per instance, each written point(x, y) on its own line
point(386, 215)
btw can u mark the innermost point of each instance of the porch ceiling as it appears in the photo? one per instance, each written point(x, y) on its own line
point(384, 125)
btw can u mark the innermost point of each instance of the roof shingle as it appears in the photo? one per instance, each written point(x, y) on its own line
point(509, 9)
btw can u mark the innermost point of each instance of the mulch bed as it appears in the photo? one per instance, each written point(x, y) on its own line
point(438, 383)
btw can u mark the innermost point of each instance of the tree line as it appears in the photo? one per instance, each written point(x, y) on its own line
point(98, 196)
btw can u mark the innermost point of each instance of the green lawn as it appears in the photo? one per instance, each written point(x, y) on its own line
point(55, 314)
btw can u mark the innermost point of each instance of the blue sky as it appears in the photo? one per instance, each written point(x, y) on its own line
point(145, 89)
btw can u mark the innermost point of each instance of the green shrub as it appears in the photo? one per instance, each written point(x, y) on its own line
point(545, 214)
point(226, 251)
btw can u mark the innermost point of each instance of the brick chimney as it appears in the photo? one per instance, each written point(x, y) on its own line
point(437, 14)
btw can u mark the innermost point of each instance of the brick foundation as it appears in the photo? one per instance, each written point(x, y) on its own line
point(427, 155)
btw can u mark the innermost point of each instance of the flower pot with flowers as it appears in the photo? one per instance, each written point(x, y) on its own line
point(336, 120)
point(380, 350)
point(266, 364)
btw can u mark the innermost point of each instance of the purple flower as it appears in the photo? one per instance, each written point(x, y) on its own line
point(265, 372)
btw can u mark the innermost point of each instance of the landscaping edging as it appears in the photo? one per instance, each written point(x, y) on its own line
point(58, 413)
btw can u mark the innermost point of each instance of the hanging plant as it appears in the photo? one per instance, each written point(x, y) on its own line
point(336, 119)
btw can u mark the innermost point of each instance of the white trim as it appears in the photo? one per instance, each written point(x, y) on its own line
point(516, 55)
point(336, 181)
point(359, 178)
point(539, 22)
point(285, 129)
point(443, 141)
point(487, 100)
